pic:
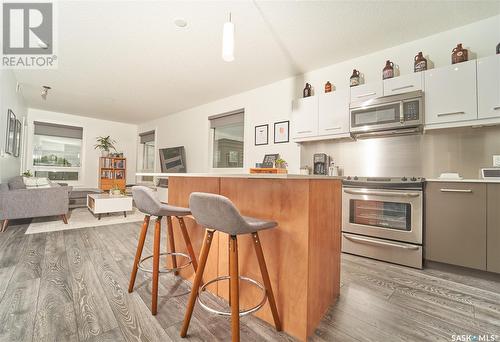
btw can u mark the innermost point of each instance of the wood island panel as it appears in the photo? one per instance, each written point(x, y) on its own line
point(178, 194)
point(302, 253)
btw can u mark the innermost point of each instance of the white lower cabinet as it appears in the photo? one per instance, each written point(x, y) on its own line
point(488, 87)
point(304, 117)
point(333, 113)
point(450, 93)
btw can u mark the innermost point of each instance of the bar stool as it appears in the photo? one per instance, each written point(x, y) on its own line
point(146, 201)
point(216, 212)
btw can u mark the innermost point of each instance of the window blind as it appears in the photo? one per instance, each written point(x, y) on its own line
point(147, 137)
point(56, 130)
point(226, 119)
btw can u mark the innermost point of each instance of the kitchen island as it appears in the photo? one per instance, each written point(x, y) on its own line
point(302, 253)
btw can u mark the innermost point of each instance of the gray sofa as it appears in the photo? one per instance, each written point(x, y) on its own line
point(17, 202)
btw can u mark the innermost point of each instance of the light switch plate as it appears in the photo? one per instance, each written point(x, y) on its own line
point(496, 160)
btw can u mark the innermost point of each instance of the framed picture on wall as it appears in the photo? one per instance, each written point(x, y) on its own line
point(11, 132)
point(281, 132)
point(261, 135)
point(17, 139)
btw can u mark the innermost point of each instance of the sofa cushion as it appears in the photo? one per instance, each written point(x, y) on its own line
point(36, 182)
point(16, 183)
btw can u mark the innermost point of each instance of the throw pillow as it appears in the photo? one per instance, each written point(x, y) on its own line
point(16, 183)
point(36, 182)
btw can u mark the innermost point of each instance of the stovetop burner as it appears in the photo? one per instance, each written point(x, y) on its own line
point(384, 182)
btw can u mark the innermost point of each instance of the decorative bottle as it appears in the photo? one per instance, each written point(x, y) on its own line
point(388, 71)
point(328, 87)
point(354, 80)
point(459, 54)
point(307, 90)
point(420, 63)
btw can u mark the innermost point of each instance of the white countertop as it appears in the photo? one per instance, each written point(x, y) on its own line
point(240, 175)
point(470, 180)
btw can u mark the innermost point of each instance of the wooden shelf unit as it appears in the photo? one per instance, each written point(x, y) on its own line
point(112, 170)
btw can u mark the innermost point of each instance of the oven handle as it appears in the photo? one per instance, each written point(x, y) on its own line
point(382, 193)
point(376, 242)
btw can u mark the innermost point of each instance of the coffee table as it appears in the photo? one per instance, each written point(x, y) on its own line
point(105, 203)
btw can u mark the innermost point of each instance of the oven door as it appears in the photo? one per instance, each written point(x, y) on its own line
point(388, 214)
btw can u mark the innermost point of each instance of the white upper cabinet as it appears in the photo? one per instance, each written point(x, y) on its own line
point(333, 111)
point(404, 84)
point(488, 87)
point(365, 92)
point(305, 117)
point(450, 93)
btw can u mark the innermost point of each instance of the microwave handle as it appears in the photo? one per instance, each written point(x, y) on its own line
point(401, 113)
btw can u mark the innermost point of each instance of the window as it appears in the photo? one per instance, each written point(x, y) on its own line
point(57, 151)
point(228, 131)
point(148, 154)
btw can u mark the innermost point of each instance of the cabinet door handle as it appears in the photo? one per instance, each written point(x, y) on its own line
point(468, 191)
point(403, 87)
point(332, 128)
point(496, 108)
point(301, 132)
point(450, 113)
point(367, 94)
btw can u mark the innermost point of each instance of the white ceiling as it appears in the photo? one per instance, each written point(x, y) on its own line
point(126, 61)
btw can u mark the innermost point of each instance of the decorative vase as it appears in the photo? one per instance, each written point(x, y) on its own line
point(104, 153)
point(116, 192)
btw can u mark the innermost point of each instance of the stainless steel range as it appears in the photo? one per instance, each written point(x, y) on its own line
point(382, 218)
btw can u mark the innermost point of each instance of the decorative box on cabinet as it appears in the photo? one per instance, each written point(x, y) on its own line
point(404, 84)
point(488, 87)
point(333, 112)
point(304, 117)
point(455, 223)
point(450, 94)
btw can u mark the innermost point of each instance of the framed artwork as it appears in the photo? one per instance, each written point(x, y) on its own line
point(261, 135)
point(11, 132)
point(17, 139)
point(281, 132)
point(269, 160)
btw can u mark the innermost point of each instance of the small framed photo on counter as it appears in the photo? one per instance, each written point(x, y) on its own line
point(281, 132)
point(262, 135)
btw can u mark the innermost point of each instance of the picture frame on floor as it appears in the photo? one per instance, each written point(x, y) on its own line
point(261, 135)
point(11, 132)
point(281, 132)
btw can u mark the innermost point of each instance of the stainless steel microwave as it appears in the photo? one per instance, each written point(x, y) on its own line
point(393, 114)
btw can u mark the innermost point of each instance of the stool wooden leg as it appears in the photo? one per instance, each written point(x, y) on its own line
point(5, 223)
point(205, 249)
point(171, 241)
point(267, 281)
point(187, 240)
point(234, 286)
point(156, 266)
point(138, 252)
point(229, 264)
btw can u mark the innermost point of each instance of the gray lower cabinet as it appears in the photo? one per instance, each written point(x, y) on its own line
point(455, 223)
point(493, 232)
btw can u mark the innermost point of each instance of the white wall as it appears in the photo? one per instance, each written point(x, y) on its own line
point(124, 134)
point(9, 99)
point(272, 103)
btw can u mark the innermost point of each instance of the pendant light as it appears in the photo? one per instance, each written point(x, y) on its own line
point(228, 41)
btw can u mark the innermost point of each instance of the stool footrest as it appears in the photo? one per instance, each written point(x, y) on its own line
point(164, 269)
point(228, 313)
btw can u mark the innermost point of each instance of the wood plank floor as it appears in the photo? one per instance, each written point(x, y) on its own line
point(72, 286)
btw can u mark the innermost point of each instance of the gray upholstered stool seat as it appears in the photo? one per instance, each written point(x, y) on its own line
point(146, 201)
point(216, 212)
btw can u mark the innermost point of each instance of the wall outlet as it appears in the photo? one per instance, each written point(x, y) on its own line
point(496, 160)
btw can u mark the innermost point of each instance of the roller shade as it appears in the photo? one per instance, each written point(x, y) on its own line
point(227, 119)
point(147, 137)
point(56, 130)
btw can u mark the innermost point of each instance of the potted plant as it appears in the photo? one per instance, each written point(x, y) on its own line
point(105, 144)
point(115, 190)
point(281, 163)
point(27, 173)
